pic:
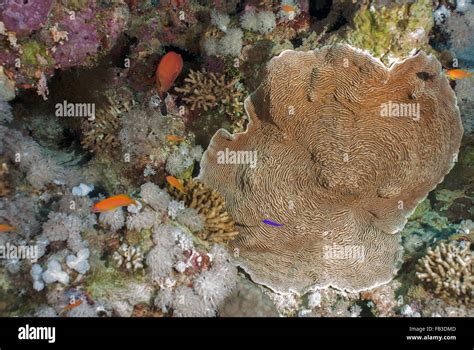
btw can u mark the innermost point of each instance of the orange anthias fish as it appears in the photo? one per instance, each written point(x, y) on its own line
point(114, 202)
point(168, 70)
point(174, 138)
point(72, 306)
point(175, 183)
point(457, 74)
point(6, 228)
point(288, 8)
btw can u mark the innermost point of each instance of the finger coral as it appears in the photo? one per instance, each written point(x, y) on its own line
point(101, 134)
point(324, 157)
point(207, 91)
point(218, 224)
point(448, 269)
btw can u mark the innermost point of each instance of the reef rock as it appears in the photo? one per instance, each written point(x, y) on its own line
point(339, 150)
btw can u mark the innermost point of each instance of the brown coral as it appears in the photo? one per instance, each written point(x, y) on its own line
point(100, 134)
point(340, 176)
point(448, 269)
point(5, 187)
point(219, 226)
point(206, 91)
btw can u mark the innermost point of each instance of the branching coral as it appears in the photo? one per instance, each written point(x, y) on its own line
point(101, 134)
point(208, 91)
point(219, 226)
point(448, 269)
point(332, 167)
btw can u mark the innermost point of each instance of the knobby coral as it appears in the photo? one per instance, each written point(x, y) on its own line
point(218, 224)
point(207, 91)
point(448, 269)
point(321, 157)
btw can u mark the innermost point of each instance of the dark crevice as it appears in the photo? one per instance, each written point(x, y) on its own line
point(320, 9)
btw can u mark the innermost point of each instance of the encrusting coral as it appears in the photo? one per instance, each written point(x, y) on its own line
point(448, 269)
point(324, 157)
point(207, 91)
point(218, 224)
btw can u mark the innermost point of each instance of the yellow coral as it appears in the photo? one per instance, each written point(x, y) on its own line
point(219, 226)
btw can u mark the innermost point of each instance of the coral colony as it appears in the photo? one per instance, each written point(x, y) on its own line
point(236, 158)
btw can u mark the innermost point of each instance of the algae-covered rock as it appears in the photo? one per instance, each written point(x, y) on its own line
point(390, 31)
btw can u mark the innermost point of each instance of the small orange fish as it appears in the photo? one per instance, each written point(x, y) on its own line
point(174, 138)
point(6, 228)
point(167, 71)
point(72, 306)
point(121, 200)
point(175, 183)
point(457, 74)
point(288, 8)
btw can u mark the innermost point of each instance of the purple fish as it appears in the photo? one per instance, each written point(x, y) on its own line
point(268, 222)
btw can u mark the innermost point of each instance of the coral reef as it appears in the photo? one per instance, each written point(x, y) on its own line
point(219, 226)
point(43, 37)
point(305, 105)
point(448, 269)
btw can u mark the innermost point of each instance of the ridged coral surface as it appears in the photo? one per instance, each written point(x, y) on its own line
point(331, 168)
